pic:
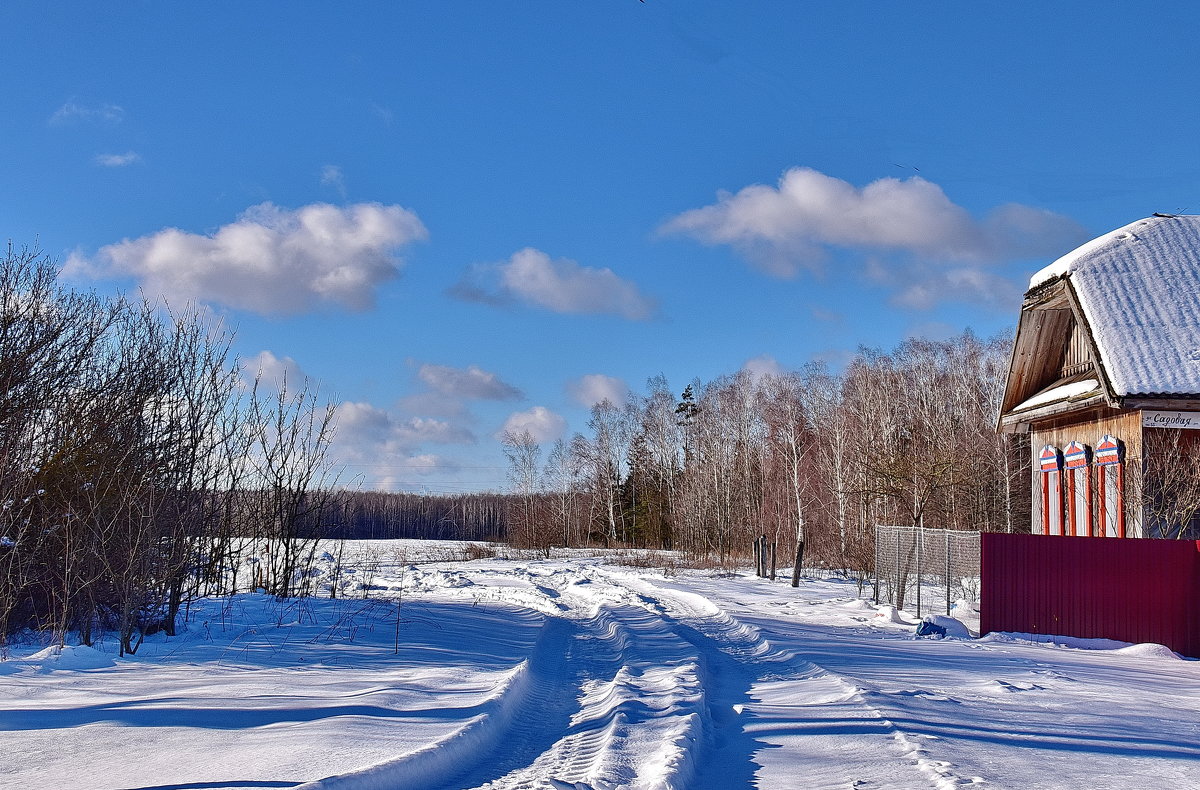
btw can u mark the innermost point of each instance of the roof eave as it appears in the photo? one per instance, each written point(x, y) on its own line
point(1021, 421)
point(1164, 401)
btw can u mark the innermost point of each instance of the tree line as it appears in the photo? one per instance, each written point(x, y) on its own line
point(137, 468)
point(812, 459)
point(140, 470)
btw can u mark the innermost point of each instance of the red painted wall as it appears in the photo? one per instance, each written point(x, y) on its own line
point(1133, 590)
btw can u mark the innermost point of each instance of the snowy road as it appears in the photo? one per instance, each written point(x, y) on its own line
point(576, 674)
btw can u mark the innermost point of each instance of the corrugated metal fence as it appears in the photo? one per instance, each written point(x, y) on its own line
point(925, 570)
point(1134, 590)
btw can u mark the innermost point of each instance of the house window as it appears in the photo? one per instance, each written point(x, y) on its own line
point(1050, 464)
point(1110, 483)
point(1079, 489)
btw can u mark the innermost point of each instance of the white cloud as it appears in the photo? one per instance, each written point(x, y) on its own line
point(793, 226)
point(361, 424)
point(921, 287)
point(271, 260)
point(399, 473)
point(273, 371)
point(382, 451)
point(432, 403)
point(118, 160)
point(332, 176)
point(471, 383)
point(532, 277)
point(762, 366)
point(541, 423)
point(595, 387)
point(72, 111)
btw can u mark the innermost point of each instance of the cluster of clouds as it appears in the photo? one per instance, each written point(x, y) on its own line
point(270, 260)
point(531, 277)
point(470, 383)
point(118, 160)
point(902, 235)
point(907, 234)
point(914, 239)
point(539, 422)
point(268, 370)
point(594, 388)
point(73, 113)
point(388, 448)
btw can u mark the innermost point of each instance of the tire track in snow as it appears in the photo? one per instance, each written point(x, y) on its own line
point(851, 731)
point(632, 685)
point(640, 706)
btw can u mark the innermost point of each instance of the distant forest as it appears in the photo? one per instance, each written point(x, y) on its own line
point(139, 470)
point(363, 515)
point(812, 459)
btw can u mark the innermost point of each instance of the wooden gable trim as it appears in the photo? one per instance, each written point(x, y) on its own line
point(1047, 315)
point(1029, 368)
point(1098, 365)
point(1021, 421)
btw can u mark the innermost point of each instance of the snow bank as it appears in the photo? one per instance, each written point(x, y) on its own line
point(428, 767)
point(69, 657)
point(1150, 650)
point(1142, 650)
point(891, 614)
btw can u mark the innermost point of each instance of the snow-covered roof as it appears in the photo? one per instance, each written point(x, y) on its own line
point(1067, 391)
point(1139, 287)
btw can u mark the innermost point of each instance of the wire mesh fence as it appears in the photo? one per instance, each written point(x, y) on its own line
point(925, 569)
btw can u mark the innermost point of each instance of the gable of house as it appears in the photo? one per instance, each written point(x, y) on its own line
point(1115, 322)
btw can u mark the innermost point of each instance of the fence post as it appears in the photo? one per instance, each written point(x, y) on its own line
point(876, 569)
point(896, 594)
point(947, 573)
point(919, 542)
point(774, 551)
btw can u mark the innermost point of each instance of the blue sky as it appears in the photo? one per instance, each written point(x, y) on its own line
point(458, 216)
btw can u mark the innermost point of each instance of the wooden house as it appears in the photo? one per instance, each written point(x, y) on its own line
point(1105, 376)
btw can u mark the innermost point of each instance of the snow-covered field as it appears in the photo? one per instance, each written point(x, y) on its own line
point(576, 673)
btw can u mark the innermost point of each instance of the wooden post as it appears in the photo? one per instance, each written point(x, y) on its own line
point(1071, 502)
point(1058, 495)
point(1102, 473)
point(1121, 500)
point(774, 550)
point(1087, 496)
point(1045, 503)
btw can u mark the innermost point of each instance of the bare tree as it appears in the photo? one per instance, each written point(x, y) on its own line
point(524, 459)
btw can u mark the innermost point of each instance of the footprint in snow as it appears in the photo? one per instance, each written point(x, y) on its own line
point(1012, 688)
point(1050, 673)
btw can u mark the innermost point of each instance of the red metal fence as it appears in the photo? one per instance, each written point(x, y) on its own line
point(1134, 590)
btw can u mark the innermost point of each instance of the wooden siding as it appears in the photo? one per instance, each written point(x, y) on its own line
point(1088, 428)
point(1037, 354)
point(1078, 355)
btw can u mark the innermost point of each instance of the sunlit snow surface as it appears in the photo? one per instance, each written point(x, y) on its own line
point(574, 673)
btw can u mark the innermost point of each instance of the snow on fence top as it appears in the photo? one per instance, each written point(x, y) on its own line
point(1139, 287)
